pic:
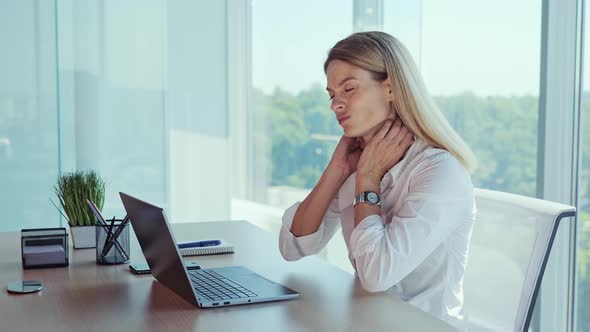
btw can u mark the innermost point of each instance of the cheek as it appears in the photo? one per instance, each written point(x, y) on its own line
point(369, 106)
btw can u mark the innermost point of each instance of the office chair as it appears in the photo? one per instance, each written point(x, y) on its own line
point(510, 245)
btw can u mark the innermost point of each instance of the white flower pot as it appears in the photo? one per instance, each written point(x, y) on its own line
point(83, 236)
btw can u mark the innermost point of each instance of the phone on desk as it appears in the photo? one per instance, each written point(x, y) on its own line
point(143, 268)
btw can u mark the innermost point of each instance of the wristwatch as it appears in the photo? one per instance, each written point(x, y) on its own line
point(369, 197)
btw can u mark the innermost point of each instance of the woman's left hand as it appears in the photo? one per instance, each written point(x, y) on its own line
point(385, 150)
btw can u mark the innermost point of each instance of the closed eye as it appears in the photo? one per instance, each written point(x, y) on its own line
point(345, 90)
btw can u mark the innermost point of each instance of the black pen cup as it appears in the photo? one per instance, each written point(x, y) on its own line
point(112, 242)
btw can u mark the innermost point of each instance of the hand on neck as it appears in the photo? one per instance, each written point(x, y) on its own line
point(366, 138)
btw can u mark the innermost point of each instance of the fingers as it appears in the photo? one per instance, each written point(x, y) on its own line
point(389, 127)
point(384, 129)
point(397, 132)
point(407, 140)
point(397, 129)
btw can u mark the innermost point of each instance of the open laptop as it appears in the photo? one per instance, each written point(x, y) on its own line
point(204, 288)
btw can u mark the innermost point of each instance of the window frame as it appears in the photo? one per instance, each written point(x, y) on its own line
point(558, 154)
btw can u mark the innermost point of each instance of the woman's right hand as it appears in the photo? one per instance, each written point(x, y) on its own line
point(311, 211)
point(346, 156)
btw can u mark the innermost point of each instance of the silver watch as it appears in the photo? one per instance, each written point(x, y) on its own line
point(369, 197)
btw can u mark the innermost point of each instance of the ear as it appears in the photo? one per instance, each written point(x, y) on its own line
point(388, 89)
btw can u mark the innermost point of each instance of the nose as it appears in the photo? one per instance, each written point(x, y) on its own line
point(337, 105)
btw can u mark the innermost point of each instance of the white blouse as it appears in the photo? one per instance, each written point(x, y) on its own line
point(419, 245)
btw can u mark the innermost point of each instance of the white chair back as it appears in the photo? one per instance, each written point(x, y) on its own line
point(511, 241)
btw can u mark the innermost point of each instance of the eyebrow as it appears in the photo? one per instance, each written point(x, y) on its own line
point(343, 81)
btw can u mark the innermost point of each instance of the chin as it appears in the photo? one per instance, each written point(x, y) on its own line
point(348, 134)
point(355, 133)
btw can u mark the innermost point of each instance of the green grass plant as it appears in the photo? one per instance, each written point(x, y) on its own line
point(72, 190)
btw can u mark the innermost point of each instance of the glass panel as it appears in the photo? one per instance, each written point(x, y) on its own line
point(29, 158)
point(144, 103)
point(484, 76)
point(291, 105)
point(111, 70)
point(141, 103)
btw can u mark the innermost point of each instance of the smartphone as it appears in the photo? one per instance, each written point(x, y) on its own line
point(143, 268)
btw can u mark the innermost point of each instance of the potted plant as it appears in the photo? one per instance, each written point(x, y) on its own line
point(72, 190)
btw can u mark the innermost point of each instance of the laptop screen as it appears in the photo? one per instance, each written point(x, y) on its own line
point(159, 246)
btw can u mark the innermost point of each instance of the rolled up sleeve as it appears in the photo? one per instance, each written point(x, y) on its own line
point(295, 247)
point(440, 198)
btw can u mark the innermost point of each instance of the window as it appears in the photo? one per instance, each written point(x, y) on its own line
point(144, 105)
point(29, 159)
point(484, 76)
point(292, 111)
point(121, 88)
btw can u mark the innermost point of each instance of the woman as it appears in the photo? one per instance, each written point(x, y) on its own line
point(398, 182)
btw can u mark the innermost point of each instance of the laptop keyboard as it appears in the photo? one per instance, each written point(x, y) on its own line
point(213, 286)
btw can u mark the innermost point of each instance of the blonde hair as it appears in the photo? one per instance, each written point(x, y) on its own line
point(386, 57)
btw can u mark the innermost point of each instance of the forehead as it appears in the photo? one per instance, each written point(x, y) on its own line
point(339, 70)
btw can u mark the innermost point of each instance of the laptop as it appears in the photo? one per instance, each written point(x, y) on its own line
point(204, 288)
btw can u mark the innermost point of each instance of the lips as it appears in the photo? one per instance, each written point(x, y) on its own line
point(342, 118)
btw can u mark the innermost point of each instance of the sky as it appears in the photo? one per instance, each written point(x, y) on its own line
point(483, 47)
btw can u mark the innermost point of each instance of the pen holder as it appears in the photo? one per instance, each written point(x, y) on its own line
point(112, 243)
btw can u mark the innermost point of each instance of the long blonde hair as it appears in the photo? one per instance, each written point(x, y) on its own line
point(386, 57)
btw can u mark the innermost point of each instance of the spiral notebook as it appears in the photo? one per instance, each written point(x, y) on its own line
point(223, 248)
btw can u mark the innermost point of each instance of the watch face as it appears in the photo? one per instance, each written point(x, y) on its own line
point(373, 198)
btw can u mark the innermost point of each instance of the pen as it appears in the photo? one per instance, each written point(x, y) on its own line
point(206, 243)
point(108, 238)
point(96, 212)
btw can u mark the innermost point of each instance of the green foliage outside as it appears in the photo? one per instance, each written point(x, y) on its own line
point(502, 131)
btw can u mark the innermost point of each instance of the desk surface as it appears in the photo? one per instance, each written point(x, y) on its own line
point(90, 297)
